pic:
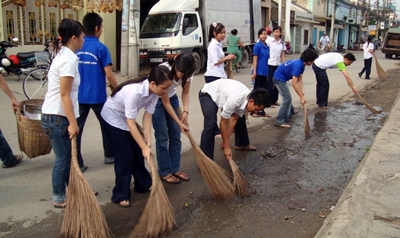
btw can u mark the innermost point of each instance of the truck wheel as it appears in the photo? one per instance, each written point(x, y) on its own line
point(197, 60)
point(245, 59)
point(388, 56)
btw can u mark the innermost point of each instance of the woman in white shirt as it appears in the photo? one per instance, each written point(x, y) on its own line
point(368, 49)
point(215, 54)
point(60, 108)
point(167, 126)
point(130, 149)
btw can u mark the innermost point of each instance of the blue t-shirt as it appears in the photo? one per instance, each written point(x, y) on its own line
point(93, 57)
point(261, 50)
point(287, 70)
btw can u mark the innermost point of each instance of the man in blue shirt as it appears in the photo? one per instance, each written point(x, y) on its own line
point(291, 69)
point(94, 68)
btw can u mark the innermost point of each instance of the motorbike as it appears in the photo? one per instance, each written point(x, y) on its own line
point(340, 49)
point(16, 64)
point(288, 48)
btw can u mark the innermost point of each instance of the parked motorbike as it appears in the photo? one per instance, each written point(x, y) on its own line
point(340, 49)
point(288, 48)
point(15, 64)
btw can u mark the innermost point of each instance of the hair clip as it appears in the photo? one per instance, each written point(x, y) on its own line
point(215, 24)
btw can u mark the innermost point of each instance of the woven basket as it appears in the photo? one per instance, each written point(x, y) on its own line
point(31, 137)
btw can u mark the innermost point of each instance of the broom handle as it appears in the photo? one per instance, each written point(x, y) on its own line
point(74, 159)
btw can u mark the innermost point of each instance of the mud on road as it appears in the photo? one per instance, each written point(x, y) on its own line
point(296, 190)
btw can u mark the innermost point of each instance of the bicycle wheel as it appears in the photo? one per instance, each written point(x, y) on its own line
point(35, 84)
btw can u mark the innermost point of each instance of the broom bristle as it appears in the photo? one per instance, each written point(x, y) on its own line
point(242, 186)
point(380, 71)
point(306, 124)
point(218, 180)
point(158, 217)
point(83, 217)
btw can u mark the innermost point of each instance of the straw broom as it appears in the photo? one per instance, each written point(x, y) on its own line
point(83, 217)
point(306, 124)
point(373, 110)
point(381, 72)
point(218, 180)
point(158, 217)
point(242, 186)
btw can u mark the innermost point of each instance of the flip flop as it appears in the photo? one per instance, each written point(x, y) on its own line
point(181, 176)
point(254, 115)
point(264, 115)
point(246, 148)
point(287, 126)
point(125, 205)
point(59, 205)
point(324, 107)
point(170, 178)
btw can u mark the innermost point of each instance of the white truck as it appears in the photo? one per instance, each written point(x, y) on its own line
point(178, 26)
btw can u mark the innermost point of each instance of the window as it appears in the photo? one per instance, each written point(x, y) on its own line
point(305, 39)
point(189, 24)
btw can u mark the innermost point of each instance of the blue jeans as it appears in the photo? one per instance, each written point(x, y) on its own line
point(168, 138)
point(286, 109)
point(84, 110)
point(128, 162)
point(56, 128)
point(6, 154)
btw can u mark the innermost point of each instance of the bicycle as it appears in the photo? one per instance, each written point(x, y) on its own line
point(35, 82)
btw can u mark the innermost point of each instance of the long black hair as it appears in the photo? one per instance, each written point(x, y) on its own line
point(184, 63)
point(158, 75)
point(214, 27)
point(66, 30)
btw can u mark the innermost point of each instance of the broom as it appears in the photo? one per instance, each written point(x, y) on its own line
point(381, 72)
point(158, 217)
point(218, 180)
point(83, 217)
point(373, 110)
point(306, 124)
point(242, 187)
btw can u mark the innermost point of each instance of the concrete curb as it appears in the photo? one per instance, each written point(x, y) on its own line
point(370, 204)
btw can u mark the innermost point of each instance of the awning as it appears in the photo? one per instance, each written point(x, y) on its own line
point(306, 20)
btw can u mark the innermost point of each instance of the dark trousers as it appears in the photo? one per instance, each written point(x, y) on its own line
point(367, 67)
point(261, 81)
point(83, 114)
point(272, 90)
point(128, 162)
point(322, 86)
point(209, 110)
point(209, 79)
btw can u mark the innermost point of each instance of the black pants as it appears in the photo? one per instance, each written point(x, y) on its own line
point(128, 162)
point(322, 86)
point(84, 110)
point(367, 68)
point(261, 82)
point(209, 110)
point(272, 90)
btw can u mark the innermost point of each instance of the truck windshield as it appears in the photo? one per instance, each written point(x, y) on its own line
point(161, 25)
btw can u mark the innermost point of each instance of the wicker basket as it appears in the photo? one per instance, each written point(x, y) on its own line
point(31, 137)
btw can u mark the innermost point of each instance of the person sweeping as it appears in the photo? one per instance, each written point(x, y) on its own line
point(235, 99)
point(326, 61)
point(119, 113)
point(61, 108)
point(368, 49)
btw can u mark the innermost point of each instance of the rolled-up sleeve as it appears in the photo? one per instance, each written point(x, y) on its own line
point(131, 107)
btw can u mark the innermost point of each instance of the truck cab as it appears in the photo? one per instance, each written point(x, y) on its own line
point(391, 43)
point(171, 28)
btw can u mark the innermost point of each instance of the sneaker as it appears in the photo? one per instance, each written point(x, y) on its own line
point(18, 159)
point(108, 160)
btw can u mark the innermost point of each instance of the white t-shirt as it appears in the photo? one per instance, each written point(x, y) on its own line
point(215, 53)
point(275, 50)
point(127, 102)
point(324, 40)
point(328, 60)
point(228, 94)
point(366, 48)
point(175, 84)
point(65, 64)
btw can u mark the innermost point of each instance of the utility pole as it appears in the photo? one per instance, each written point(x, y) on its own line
point(332, 23)
point(361, 23)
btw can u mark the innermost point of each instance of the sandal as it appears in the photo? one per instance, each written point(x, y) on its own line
point(124, 203)
point(181, 176)
point(277, 104)
point(246, 148)
point(296, 112)
point(170, 179)
point(18, 159)
point(59, 205)
point(254, 115)
point(324, 107)
point(264, 115)
point(287, 126)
